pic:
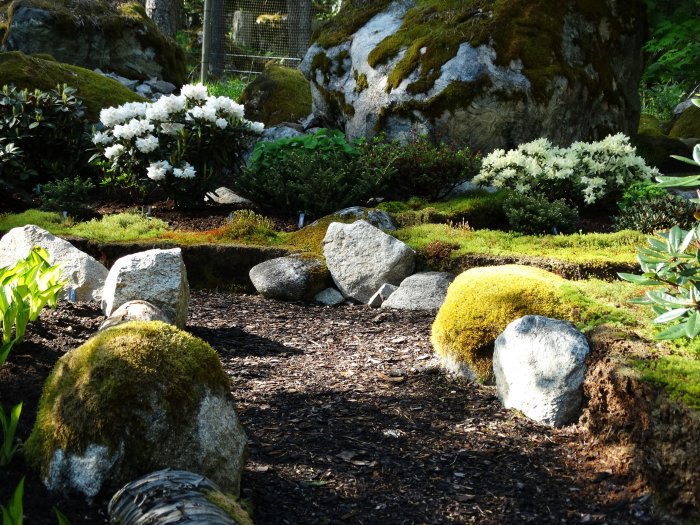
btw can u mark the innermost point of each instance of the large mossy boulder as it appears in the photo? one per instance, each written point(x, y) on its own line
point(279, 94)
point(37, 72)
point(485, 74)
point(93, 35)
point(688, 124)
point(481, 302)
point(133, 399)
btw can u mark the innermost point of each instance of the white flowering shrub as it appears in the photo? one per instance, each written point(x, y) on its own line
point(181, 143)
point(584, 173)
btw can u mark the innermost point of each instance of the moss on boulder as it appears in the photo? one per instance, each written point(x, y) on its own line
point(133, 399)
point(95, 35)
point(688, 124)
point(279, 94)
point(41, 72)
point(481, 302)
point(567, 70)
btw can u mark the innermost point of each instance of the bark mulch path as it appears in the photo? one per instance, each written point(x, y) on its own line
point(350, 420)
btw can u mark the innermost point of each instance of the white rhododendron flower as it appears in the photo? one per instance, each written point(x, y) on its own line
point(195, 91)
point(113, 151)
point(187, 172)
point(147, 144)
point(101, 138)
point(171, 128)
point(221, 123)
point(157, 170)
point(257, 127)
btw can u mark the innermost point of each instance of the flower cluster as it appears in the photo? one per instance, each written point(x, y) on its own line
point(181, 143)
point(584, 172)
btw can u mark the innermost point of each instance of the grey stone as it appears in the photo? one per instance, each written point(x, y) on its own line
point(86, 276)
point(161, 86)
point(421, 291)
point(506, 108)
point(144, 90)
point(329, 297)
point(680, 108)
point(382, 295)
point(291, 278)
point(375, 217)
point(539, 367)
point(224, 195)
point(361, 258)
point(134, 311)
point(156, 276)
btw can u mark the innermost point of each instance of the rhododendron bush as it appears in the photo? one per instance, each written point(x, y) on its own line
point(186, 144)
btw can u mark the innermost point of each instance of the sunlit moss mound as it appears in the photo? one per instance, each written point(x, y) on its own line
point(105, 392)
point(481, 302)
point(35, 72)
point(688, 124)
point(279, 94)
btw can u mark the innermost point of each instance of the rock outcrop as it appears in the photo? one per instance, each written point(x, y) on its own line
point(539, 367)
point(86, 276)
point(487, 76)
point(96, 35)
point(361, 258)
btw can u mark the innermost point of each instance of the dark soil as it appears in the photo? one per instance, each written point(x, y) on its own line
point(350, 420)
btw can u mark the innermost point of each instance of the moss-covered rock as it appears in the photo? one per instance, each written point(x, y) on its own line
point(133, 399)
point(37, 72)
point(688, 124)
point(95, 35)
point(656, 150)
point(481, 302)
point(482, 73)
point(279, 94)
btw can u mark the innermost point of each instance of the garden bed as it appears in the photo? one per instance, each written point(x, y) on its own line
point(351, 421)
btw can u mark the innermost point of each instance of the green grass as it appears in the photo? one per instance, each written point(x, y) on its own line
point(617, 247)
point(232, 88)
point(47, 220)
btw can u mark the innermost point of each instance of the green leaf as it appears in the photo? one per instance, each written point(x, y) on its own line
point(674, 332)
point(671, 315)
point(692, 325)
point(638, 279)
point(691, 181)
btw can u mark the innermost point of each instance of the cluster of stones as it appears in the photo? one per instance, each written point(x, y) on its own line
point(152, 88)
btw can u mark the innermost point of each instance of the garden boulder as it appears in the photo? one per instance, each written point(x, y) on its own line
point(329, 297)
point(134, 311)
point(374, 216)
point(361, 258)
point(133, 399)
point(539, 367)
point(420, 291)
point(156, 276)
point(86, 276)
point(292, 278)
point(481, 302)
point(490, 77)
point(96, 35)
point(381, 295)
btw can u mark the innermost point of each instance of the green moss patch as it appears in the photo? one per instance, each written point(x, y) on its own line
point(688, 124)
point(94, 392)
point(279, 94)
point(679, 375)
point(32, 72)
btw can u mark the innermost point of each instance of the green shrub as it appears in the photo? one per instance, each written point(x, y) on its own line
point(120, 227)
point(49, 128)
point(534, 214)
point(315, 174)
point(656, 213)
point(13, 513)
point(426, 170)
point(640, 191)
point(246, 225)
point(69, 194)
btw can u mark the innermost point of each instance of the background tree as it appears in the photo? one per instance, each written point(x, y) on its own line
point(166, 14)
point(299, 26)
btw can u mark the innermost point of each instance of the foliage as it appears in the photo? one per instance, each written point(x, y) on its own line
point(246, 225)
point(231, 88)
point(674, 46)
point(68, 194)
point(315, 174)
point(677, 374)
point(27, 287)
point(659, 100)
point(672, 261)
point(13, 514)
point(640, 192)
point(48, 131)
point(50, 221)
point(426, 170)
point(60, 517)
point(583, 173)
point(534, 214)
point(183, 143)
point(9, 427)
point(120, 227)
point(437, 254)
point(656, 213)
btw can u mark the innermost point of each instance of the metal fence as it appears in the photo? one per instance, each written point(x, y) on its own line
point(243, 35)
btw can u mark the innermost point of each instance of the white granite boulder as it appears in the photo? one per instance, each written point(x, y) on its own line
point(421, 291)
point(539, 367)
point(291, 278)
point(134, 311)
point(85, 275)
point(156, 276)
point(374, 216)
point(381, 295)
point(361, 258)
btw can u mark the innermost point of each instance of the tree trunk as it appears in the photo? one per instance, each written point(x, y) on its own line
point(299, 26)
point(218, 39)
point(165, 14)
